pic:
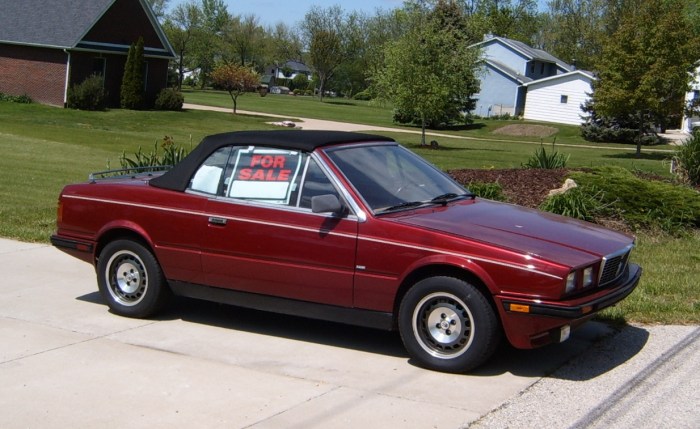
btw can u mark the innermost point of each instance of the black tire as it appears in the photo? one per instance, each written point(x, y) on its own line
point(447, 324)
point(131, 280)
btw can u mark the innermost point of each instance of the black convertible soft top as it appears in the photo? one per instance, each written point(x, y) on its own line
point(178, 178)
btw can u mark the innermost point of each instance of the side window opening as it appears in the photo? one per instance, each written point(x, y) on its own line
point(263, 175)
point(207, 179)
point(315, 183)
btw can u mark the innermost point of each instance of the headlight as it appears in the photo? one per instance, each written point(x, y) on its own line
point(588, 277)
point(570, 282)
point(579, 279)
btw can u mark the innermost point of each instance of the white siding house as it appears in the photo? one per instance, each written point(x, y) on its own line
point(558, 98)
point(694, 94)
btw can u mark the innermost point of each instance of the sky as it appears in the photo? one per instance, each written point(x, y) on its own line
point(291, 12)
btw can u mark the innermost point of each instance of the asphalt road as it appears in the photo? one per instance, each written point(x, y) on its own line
point(65, 361)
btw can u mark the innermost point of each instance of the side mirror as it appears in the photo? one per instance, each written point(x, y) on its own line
point(327, 203)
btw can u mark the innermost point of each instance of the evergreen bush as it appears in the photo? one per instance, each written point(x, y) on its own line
point(133, 94)
point(644, 204)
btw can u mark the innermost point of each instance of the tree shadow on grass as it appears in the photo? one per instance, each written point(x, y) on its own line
point(442, 148)
point(340, 103)
point(655, 156)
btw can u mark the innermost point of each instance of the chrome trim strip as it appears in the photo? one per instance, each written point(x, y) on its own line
point(527, 268)
point(606, 258)
point(354, 206)
point(208, 215)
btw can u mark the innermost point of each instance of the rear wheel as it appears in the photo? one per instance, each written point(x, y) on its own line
point(447, 324)
point(130, 279)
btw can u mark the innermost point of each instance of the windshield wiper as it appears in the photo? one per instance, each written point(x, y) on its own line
point(406, 205)
point(450, 196)
point(440, 199)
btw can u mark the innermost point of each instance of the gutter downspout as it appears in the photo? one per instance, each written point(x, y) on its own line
point(65, 86)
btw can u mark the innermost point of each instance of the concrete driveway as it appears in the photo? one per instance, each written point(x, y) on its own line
point(66, 361)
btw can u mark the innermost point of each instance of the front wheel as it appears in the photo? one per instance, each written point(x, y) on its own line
point(130, 279)
point(447, 324)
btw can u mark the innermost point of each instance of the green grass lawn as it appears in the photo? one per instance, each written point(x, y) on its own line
point(44, 148)
point(374, 113)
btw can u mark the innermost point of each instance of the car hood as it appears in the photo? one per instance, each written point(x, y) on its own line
point(552, 237)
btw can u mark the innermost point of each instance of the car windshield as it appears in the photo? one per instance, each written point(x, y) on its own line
point(391, 178)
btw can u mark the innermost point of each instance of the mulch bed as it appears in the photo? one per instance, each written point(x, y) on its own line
point(522, 186)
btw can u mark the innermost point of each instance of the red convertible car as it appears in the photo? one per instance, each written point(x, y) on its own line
point(347, 227)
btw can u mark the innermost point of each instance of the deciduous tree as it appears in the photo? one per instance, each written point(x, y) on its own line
point(429, 72)
point(235, 79)
point(324, 32)
point(182, 26)
point(646, 67)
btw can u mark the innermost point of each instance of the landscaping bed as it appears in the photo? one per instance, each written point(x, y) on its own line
point(522, 186)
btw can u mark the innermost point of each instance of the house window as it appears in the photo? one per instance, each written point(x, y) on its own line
point(98, 66)
point(542, 68)
point(564, 99)
point(532, 68)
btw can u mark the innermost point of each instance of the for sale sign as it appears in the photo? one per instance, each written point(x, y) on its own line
point(265, 174)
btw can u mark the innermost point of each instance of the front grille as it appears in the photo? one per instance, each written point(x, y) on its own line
point(613, 266)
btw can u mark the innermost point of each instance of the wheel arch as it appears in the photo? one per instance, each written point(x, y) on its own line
point(119, 233)
point(441, 269)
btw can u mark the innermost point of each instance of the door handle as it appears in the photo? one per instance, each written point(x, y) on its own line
point(214, 220)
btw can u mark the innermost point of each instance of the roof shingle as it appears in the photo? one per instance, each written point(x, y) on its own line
point(53, 23)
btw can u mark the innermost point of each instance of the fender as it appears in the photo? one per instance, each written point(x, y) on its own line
point(123, 224)
point(460, 263)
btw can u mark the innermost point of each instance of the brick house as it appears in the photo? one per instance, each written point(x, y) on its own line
point(48, 45)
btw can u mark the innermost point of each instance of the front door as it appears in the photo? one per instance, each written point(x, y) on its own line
point(262, 237)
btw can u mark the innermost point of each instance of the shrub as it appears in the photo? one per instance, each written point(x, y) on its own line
point(611, 133)
point(686, 159)
point(491, 191)
point(22, 99)
point(579, 203)
point(88, 95)
point(300, 82)
point(363, 96)
point(169, 99)
point(542, 159)
point(644, 204)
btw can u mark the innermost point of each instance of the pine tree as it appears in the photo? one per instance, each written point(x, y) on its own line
point(133, 95)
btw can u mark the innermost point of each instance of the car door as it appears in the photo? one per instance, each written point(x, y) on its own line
point(262, 236)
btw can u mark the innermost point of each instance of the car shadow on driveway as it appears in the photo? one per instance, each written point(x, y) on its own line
point(588, 341)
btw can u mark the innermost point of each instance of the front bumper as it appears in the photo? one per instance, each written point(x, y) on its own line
point(531, 323)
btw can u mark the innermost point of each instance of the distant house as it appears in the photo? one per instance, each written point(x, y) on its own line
point(276, 74)
point(558, 98)
point(48, 45)
point(519, 80)
point(693, 122)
